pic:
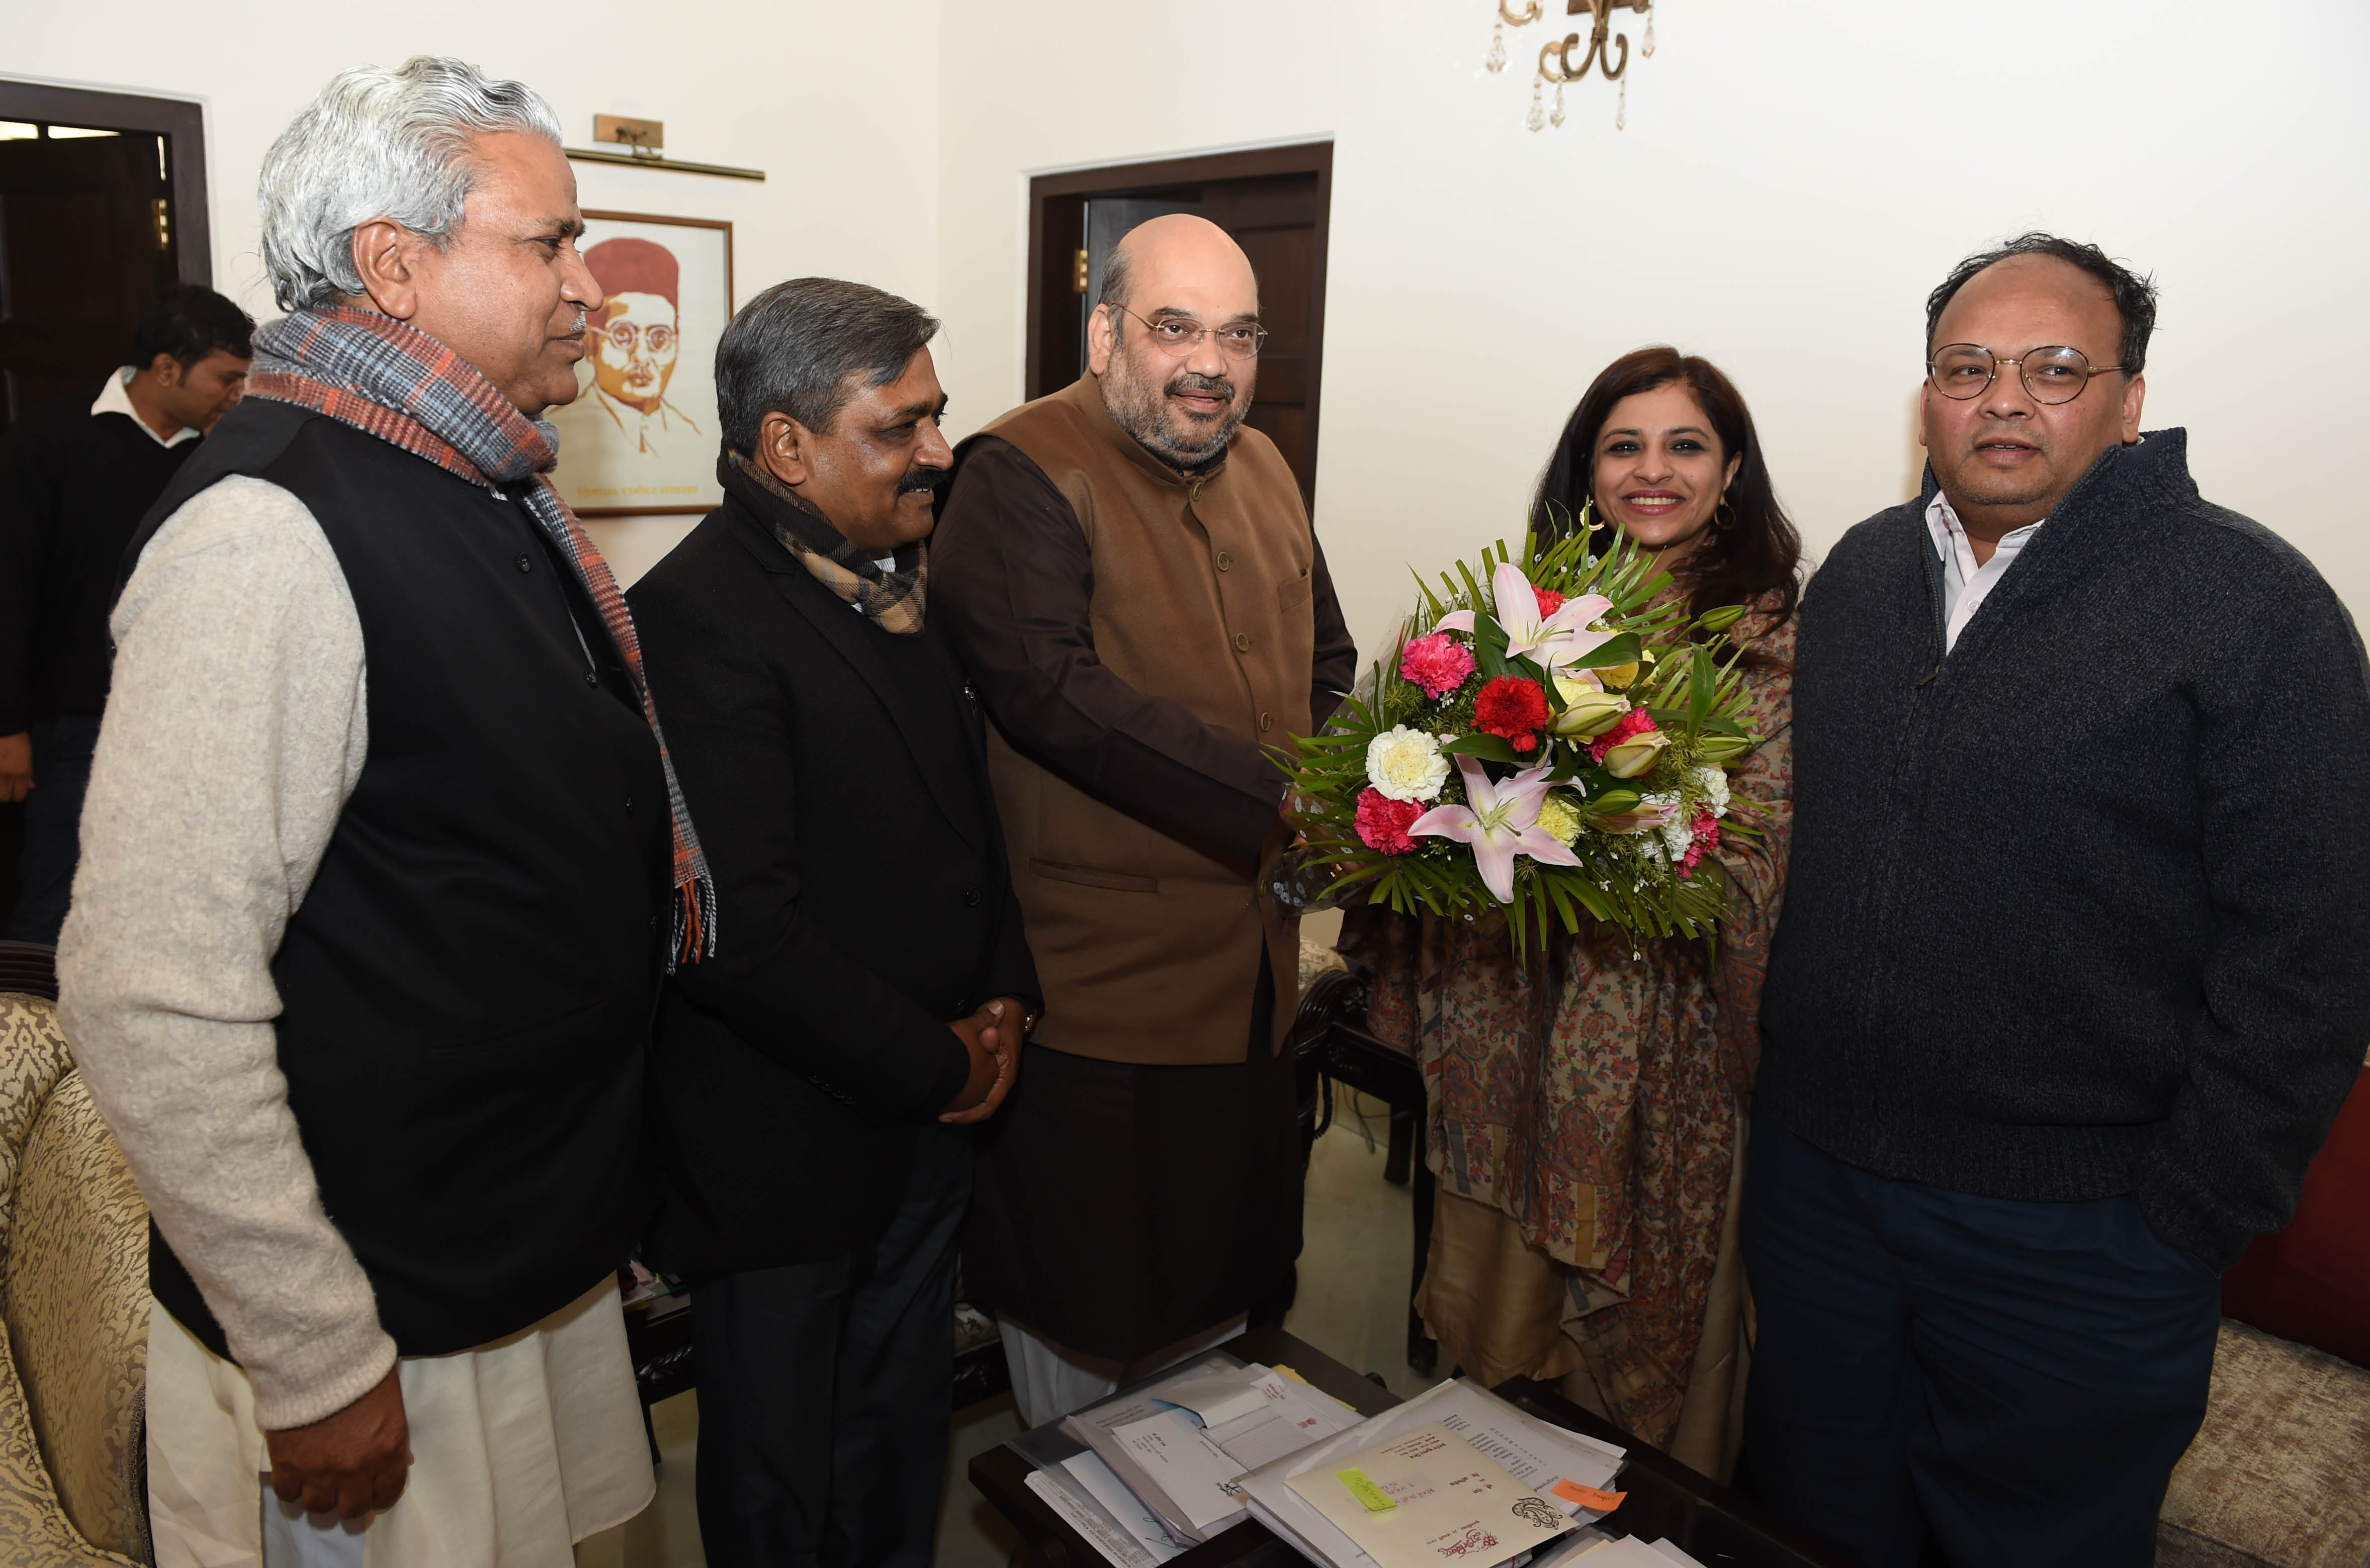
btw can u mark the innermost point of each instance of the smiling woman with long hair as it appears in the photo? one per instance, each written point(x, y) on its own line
point(1586, 1110)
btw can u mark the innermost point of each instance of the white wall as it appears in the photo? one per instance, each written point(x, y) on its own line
point(1783, 197)
point(839, 110)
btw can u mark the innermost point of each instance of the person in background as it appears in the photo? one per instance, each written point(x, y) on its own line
point(383, 866)
point(75, 479)
point(813, 1082)
point(2069, 986)
point(1586, 1108)
point(1132, 580)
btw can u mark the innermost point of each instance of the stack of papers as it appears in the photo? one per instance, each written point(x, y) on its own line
point(1631, 1553)
point(1454, 1478)
point(1509, 1477)
point(1179, 1447)
point(1430, 1497)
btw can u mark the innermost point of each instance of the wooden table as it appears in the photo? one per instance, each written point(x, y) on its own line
point(1665, 1498)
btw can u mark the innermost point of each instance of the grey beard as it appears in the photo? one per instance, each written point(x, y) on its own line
point(1141, 410)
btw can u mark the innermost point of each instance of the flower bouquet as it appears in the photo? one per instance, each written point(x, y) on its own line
point(1545, 738)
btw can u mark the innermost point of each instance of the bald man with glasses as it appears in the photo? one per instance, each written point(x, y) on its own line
point(2070, 981)
point(1130, 579)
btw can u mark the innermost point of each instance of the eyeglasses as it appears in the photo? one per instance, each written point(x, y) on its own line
point(623, 334)
point(2056, 374)
point(1178, 335)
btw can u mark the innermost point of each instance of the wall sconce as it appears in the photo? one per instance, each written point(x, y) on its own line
point(1555, 58)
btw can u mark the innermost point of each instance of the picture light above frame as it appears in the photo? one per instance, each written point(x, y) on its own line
point(642, 139)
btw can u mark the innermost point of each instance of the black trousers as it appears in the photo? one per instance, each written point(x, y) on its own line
point(1081, 1226)
point(2018, 1378)
point(825, 1390)
point(61, 753)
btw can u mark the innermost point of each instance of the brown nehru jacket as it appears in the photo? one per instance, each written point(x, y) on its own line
point(1143, 902)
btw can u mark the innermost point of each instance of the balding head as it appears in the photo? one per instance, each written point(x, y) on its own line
point(1178, 275)
point(1177, 245)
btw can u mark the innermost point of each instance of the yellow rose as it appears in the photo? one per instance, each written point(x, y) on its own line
point(1636, 755)
point(1558, 818)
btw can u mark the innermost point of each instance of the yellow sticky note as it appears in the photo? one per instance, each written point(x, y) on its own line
point(1288, 1373)
point(1588, 1496)
point(1372, 1497)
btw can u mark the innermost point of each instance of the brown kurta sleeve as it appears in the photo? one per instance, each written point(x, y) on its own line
point(1011, 572)
point(1334, 670)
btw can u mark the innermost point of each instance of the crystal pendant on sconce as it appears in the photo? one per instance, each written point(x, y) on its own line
point(1647, 48)
point(1621, 108)
point(1556, 119)
point(1537, 118)
point(1496, 58)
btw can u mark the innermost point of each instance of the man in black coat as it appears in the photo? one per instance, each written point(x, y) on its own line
point(76, 478)
point(813, 1078)
point(2070, 982)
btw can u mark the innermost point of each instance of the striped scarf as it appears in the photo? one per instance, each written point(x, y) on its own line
point(891, 600)
point(372, 371)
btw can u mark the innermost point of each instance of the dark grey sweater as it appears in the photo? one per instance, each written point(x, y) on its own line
point(2083, 908)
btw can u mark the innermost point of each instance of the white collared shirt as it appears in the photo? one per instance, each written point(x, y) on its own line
point(114, 399)
point(1965, 585)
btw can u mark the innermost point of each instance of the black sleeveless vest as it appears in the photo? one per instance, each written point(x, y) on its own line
point(467, 987)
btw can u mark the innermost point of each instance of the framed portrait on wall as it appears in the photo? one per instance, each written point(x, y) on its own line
point(640, 436)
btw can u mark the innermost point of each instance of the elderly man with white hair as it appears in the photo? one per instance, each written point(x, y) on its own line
point(384, 861)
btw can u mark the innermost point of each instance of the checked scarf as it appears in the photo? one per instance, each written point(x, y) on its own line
point(893, 599)
point(380, 376)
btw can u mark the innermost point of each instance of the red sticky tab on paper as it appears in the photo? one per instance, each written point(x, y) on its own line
point(1588, 1496)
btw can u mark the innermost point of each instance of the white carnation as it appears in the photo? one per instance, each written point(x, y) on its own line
point(1677, 837)
point(1712, 783)
point(1405, 764)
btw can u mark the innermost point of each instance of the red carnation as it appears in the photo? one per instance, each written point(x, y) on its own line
point(1549, 601)
point(1513, 707)
point(1383, 822)
point(1637, 721)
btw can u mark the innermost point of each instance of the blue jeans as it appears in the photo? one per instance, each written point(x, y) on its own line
point(2018, 1378)
point(61, 749)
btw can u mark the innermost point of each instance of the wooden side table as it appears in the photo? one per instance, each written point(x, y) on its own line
point(1667, 1499)
point(1664, 1498)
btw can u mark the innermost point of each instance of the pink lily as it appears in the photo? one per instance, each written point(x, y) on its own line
point(1499, 821)
point(1554, 640)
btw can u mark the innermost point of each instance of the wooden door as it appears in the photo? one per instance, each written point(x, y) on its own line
point(1273, 201)
point(102, 207)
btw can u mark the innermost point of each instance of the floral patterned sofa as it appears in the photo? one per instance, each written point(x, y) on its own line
point(74, 1295)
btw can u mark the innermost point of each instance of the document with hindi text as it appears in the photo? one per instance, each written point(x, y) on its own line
point(1427, 1498)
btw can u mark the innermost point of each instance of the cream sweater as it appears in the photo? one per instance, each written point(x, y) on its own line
point(235, 732)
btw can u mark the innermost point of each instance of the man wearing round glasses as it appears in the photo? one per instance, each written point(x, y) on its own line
point(2068, 988)
point(1132, 582)
point(635, 342)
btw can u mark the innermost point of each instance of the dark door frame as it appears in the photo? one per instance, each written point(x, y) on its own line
point(1056, 223)
point(178, 119)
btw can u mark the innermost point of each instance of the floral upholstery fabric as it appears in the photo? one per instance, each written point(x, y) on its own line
point(1592, 1092)
point(73, 1291)
point(2280, 1473)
